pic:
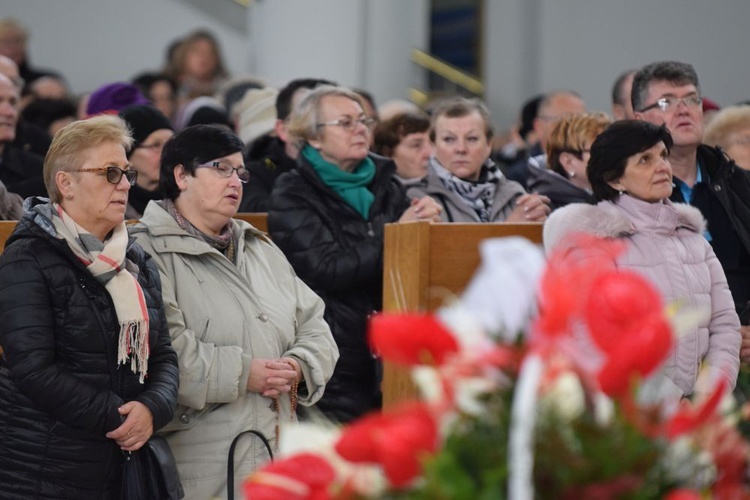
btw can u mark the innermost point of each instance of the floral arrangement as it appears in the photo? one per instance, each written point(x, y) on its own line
point(543, 381)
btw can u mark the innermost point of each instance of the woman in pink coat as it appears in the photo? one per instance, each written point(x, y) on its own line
point(631, 178)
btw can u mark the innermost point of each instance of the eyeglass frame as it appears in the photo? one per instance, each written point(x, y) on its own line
point(349, 124)
point(663, 103)
point(214, 165)
point(130, 172)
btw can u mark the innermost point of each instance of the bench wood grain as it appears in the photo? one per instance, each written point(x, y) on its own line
point(423, 265)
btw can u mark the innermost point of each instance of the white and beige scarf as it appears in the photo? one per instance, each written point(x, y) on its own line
point(107, 263)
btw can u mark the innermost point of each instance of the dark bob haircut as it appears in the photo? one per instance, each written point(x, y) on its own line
point(191, 147)
point(612, 149)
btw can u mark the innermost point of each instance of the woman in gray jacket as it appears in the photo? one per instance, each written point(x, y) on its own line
point(462, 177)
point(249, 335)
point(631, 178)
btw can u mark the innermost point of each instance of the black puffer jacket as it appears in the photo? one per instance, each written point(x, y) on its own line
point(60, 385)
point(340, 256)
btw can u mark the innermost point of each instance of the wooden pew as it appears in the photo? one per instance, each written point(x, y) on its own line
point(259, 220)
point(425, 264)
point(6, 229)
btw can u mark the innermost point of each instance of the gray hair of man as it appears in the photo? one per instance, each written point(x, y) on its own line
point(305, 117)
point(674, 72)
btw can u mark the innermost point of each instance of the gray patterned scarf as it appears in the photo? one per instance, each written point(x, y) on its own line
point(477, 195)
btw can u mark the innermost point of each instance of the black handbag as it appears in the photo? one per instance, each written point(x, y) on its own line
point(230, 461)
point(151, 473)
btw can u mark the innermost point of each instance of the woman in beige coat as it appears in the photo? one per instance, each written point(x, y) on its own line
point(250, 336)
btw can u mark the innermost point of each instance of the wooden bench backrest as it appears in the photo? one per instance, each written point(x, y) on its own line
point(424, 264)
point(259, 220)
point(6, 229)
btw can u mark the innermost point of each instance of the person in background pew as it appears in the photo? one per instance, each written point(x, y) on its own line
point(463, 178)
point(328, 216)
point(20, 170)
point(275, 153)
point(561, 175)
point(88, 369)
point(631, 176)
point(250, 335)
point(150, 129)
point(730, 130)
point(405, 138)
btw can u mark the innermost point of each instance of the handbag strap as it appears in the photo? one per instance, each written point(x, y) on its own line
point(230, 461)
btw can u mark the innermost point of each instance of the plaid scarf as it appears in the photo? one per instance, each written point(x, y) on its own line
point(106, 261)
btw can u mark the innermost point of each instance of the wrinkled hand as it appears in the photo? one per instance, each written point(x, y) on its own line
point(424, 208)
point(530, 208)
point(745, 345)
point(271, 377)
point(295, 365)
point(137, 427)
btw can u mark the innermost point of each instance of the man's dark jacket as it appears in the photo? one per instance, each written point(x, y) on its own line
point(725, 203)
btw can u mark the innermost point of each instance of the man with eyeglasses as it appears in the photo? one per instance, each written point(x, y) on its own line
point(669, 93)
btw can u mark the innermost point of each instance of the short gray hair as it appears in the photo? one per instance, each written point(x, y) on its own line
point(304, 119)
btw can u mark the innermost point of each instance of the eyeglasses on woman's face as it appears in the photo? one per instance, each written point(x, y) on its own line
point(349, 124)
point(113, 174)
point(226, 170)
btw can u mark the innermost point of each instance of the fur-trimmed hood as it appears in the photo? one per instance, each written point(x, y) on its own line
point(623, 217)
point(666, 246)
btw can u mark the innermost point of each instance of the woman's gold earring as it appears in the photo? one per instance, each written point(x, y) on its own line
point(70, 196)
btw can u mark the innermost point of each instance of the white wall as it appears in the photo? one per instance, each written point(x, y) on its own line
point(357, 43)
point(92, 42)
point(539, 45)
point(531, 46)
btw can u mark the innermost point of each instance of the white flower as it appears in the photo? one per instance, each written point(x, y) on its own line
point(320, 437)
point(501, 296)
point(604, 409)
point(427, 379)
point(565, 397)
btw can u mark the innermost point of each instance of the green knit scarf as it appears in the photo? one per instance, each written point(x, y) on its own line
point(351, 186)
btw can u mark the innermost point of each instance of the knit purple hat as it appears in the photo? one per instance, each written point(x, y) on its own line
point(111, 98)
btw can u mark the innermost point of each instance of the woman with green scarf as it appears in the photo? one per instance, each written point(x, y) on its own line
point(328, 217)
